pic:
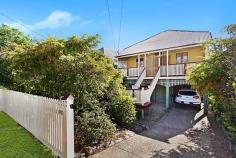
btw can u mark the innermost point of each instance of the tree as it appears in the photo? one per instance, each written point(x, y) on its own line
point(54, 67)
point(217, 76)
point(12, 41)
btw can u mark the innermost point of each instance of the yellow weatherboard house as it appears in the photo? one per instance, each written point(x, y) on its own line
point(157, 67)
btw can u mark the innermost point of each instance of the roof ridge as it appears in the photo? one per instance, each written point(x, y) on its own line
point(163, 32)
point(187, 30)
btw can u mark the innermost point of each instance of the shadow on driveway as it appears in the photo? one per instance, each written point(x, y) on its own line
point(176, 121)
point(184, 132)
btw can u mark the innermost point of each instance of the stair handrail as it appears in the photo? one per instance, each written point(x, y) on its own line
point(140, 79)
point(155, 80)
point(146, 93)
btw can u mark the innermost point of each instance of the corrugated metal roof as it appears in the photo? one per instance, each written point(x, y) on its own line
point(168, 39)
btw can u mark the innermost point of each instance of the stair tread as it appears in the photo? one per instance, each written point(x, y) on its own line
point(146, 83)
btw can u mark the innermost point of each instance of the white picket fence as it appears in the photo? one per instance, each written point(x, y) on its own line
point(49, 120)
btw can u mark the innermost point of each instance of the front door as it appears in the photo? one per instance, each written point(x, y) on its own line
point(152, 65)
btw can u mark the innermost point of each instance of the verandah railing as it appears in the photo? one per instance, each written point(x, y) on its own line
point(173, 70)
point(132, 71)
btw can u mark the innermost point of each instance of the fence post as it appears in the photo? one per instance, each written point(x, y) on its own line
point(69, 130)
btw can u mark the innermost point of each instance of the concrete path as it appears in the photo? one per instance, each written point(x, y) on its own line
point(183, 132)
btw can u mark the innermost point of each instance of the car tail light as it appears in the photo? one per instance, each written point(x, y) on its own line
point(195, 97)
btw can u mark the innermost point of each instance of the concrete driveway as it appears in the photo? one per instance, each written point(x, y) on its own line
point(182, 132)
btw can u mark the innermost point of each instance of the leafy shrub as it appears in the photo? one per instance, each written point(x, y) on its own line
point(230, 127)
point(215, 106)
point(118, 104)
point(93, 128)
point(215, 75)
point(122, 111)
point(54, 67)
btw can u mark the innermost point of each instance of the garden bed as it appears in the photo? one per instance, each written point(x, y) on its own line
point(232, 142)
point(120, 135)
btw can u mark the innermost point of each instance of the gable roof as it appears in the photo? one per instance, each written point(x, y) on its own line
point(168, 39)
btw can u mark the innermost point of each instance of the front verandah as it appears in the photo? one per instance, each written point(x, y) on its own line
point(171, 62)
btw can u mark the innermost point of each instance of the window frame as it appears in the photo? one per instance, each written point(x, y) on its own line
point(141, 62)
point(182, 57)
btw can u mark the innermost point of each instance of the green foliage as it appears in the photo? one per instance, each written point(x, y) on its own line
point(12, 41)
point(118, 105)
point(231, 29)
point(216, 106)
point(217, 76)
point(94, 127)
point(54, 67)
point(229, 126)
point(122, 110)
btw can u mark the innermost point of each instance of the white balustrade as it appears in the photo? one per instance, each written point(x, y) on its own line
point(173, 70)
point(133, 72)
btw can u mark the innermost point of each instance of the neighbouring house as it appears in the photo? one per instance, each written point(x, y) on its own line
point(110, 53)
point(157, 67)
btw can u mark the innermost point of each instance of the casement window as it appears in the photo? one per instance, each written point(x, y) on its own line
point(181, 58)
point(141, 62)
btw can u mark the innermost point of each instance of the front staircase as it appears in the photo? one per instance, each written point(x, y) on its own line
point(146, 83)
point(142, 94)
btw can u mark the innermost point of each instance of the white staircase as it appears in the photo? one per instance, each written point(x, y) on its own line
point(143, 96)
point(140, 79)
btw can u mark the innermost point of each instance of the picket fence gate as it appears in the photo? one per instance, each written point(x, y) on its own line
point(49, 120)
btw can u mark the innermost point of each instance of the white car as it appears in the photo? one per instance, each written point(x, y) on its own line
point(188, 97)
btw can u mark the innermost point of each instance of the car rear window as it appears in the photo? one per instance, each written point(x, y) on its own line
point(188, 93)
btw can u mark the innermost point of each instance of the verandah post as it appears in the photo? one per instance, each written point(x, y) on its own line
point(167, 94)
point(145, 64)
point(138, 65)
point(167, 63)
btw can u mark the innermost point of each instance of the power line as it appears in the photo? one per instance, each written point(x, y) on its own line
point(23, 25)
point(121, 18)
point(110, 23)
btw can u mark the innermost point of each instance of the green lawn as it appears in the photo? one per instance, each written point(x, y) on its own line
point(16, 142)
